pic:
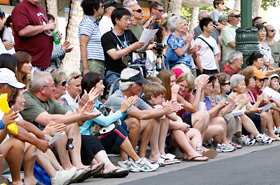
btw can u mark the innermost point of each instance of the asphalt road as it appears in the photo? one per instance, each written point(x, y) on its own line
point(250, 165)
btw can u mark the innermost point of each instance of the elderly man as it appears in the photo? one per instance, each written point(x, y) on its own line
point(33, 32)
point(235, 60)
point(41, 109)
point(140, 116)
point(106, 23)
point(275, 46)
point(73, 89)
point(14, 147)
point(228, 34)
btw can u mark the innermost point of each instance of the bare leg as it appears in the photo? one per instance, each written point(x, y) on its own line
point(249, 125)
point(270, 125)
point(127, 148)
point(194, 136)
point(215, 132)
point(133, 125)
point(276, 118)
point(13, 153)
point(200, 122)
point(60, 146)
point(53, 160)
point(146, 130)
point(28, 164)
point(43, 160)
point(162, 136)
point(1, 158)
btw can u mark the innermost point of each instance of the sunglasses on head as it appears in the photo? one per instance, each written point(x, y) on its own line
point(138, 10)
point(236, 16)
point(62, 83)
point(272, 30)
point(75, 77)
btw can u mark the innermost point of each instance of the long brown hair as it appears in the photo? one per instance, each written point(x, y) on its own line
point(23, 58)
point(165, 75)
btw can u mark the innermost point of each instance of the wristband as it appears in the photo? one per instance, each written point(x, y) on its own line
point(45, 136)
point(84, 68)
point(2, 125)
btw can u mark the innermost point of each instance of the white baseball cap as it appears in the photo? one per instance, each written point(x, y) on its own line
point(8, 77)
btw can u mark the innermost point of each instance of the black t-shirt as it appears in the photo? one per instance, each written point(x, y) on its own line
point(110, 41)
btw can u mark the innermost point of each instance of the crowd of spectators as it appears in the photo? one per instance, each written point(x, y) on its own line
point(200, 111)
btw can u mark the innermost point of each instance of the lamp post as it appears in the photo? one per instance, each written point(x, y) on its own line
point(246, 35)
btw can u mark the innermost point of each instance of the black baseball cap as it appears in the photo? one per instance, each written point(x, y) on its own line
point(109, 3)
point(138, 78)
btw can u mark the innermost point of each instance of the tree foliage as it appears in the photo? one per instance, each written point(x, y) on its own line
point(269, 3)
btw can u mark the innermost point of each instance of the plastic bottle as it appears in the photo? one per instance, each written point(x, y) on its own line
point(199, 147)
point(55, 36)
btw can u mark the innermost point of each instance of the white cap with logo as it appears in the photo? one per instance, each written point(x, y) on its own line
point(8, 77)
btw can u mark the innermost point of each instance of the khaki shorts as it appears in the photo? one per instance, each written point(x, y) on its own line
point(96, 66)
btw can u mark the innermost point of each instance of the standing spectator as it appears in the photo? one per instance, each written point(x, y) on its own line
point(138, 15)
point(228, 34)
point(2, 47)
point(215, 15)
point(24, 67)
point(207, 60)
point(106, 23)
point(274, 45)
point(92, 56)
point(7, 36)
point(258, 20)
point(235, 60)
point(59, 51)
point(32, 32)
point(156, 11)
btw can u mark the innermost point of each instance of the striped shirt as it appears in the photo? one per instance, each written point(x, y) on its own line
point(89, 28)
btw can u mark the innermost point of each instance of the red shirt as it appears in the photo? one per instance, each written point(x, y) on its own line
point(230, 71)
point(39, 46)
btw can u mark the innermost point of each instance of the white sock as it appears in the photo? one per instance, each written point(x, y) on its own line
point(55, 175)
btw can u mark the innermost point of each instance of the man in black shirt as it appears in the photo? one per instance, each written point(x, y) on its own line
point(118, 45)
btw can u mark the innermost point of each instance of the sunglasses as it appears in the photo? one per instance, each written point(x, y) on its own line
point(272, 30)
point(236, 16)
point(225, 83)
point(62, 83)
point(159, 10)
point(138, 10)
point(75, 77)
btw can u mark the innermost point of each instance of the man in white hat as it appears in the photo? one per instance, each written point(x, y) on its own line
point(228, 34)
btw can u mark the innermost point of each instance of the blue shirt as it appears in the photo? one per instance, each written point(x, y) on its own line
point(89, 27)
point(172, 58)
point(101, 120)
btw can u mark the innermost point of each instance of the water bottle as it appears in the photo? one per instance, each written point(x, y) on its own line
point(199, 147)
point(55, 36)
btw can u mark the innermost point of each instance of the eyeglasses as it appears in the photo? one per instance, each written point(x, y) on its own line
point(159, 10)
point(228, 83)
point(62, 83)
point(185, 87)
point(236, 16)
point(138, 10)
point(272, 30)
point(75, 77)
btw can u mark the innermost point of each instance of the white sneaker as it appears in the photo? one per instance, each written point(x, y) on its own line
point(63, 177)
point(129, 165)
point(244, 140)
point(263, 140)
point(276, 130)
point(146, 166)
point(224, 148)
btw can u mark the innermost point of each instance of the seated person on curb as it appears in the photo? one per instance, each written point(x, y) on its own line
point(185, 137)
point(13, 149)
point(140, 117)
point(49, 164)
point(118, 45)
point(117, 135)
point(41, 109)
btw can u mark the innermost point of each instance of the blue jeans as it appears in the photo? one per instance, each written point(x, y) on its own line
point(110, 77)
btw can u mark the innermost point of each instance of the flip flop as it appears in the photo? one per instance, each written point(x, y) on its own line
point(161, 161)
point(172, 157)
point(114, 174)
point(235, 145)
point(193, 159)
point(95, 172)
point(210, 153)
point(87, 174)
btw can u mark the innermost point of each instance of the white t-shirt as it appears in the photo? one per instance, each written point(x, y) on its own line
point(7, 35)
point(206, 55)
point(105, 25)
point(71, 101)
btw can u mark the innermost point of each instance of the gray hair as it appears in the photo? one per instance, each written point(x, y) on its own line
point(56, 74)
point(38, 80)
point(126, 74)
point(172, 23)
point(201, 14)
point(184, 18)
point(234, 55)
point(234, 80)
point(70, 77)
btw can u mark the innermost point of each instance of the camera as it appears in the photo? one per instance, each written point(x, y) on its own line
point(69, 145)
point(160, 46)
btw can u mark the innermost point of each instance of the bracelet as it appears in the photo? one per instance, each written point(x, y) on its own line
point(85, 67)
point(2, 125)
point(273, 71)
point(45, 136)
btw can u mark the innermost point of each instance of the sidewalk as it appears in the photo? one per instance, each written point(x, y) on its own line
point(182, 165)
